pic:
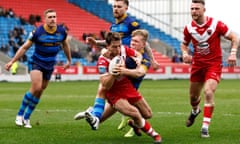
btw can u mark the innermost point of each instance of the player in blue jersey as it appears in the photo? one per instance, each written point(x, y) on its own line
point(138, 41)
point(124, 24)
point(49, 39)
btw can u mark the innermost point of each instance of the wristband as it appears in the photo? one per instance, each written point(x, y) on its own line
point(184, 53)
point(233, 51)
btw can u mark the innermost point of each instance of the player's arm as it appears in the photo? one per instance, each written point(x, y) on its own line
point(232, 59)
point(186, 57)
point(154, 63)
point(134, 73)
point(139, 71)
point(67, 51)
point(93, 41)
point(107, 80)
point(21, 51)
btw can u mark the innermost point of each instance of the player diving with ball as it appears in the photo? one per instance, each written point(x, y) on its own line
point(120, 89)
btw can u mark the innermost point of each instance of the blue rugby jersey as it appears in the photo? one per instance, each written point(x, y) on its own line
point(47, 45)
point(125, 26)
point(131, 64)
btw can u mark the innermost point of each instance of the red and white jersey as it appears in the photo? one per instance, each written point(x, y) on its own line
point(206, 40)
point(103, 62)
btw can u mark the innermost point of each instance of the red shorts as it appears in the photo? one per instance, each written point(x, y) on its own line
point(203, 73)
point(127, 92)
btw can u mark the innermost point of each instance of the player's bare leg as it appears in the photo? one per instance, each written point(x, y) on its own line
point(195, 91)
point(209, 89)
point(138, 122)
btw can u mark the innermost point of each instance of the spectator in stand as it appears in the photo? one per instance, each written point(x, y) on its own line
point(1, 11)
point(175, 58)
point(10, 13)
point(5, 48)
point(76, 53)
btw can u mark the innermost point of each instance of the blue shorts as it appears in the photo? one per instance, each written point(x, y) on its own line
point(46, 73)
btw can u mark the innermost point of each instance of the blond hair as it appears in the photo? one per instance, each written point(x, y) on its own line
point(141, 32)
point(48, 11)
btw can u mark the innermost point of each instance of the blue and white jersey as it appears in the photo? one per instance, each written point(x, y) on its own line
point(47, 45)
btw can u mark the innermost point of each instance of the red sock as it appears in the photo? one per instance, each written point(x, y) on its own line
point(207, 115)
point(147, 128)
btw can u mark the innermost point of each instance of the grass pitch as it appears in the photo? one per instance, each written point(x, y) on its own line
point(53, 122)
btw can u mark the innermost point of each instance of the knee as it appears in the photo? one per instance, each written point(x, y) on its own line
point(36, 90)
point(208, 93)
point(147, 115)
point(209, 96)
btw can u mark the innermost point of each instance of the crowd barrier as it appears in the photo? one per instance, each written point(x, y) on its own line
point(91, 73)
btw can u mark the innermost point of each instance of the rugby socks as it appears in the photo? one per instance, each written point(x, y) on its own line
point(25, 102)
point(147, 128)
point(31, 107)
point(207, 115)
point(98, 107)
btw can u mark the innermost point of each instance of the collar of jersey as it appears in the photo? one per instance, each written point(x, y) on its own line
point(47, 29)
point(121, 18)
point(142, 51)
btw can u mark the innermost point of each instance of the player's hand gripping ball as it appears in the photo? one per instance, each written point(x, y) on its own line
point(115, 61)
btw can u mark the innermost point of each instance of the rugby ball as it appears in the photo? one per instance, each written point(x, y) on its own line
point(112, 64)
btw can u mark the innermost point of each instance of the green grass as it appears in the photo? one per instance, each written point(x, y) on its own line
point(53, 118)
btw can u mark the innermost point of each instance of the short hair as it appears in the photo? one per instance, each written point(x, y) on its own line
point(199, 1)
point(125, 1)
point(112, 36)
point(141, 32)
point(48, 11)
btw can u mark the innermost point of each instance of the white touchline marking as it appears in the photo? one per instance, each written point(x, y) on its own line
point(74, 110)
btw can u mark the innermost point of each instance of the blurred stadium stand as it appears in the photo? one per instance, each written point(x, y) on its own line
point(103, 10)
point(93, 16)
point(77, 20)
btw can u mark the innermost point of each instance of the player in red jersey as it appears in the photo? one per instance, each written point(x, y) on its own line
point(204, 32)
point(118, 89)
point(125, 25)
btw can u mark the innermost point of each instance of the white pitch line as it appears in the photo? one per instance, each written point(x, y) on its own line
point(159, 113)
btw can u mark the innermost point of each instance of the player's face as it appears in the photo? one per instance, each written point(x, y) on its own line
point(197, 12)
point(51, 19)
point(137, 43)
point(119, 9)
point(114, 48)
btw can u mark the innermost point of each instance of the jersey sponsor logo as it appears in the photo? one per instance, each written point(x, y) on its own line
point(209, 31)
point(203, 48)
point(52, 44)
point(135, 24)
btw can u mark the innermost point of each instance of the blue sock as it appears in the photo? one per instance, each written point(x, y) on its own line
point(98, 107)
point(31, 107)
point(25, 101)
